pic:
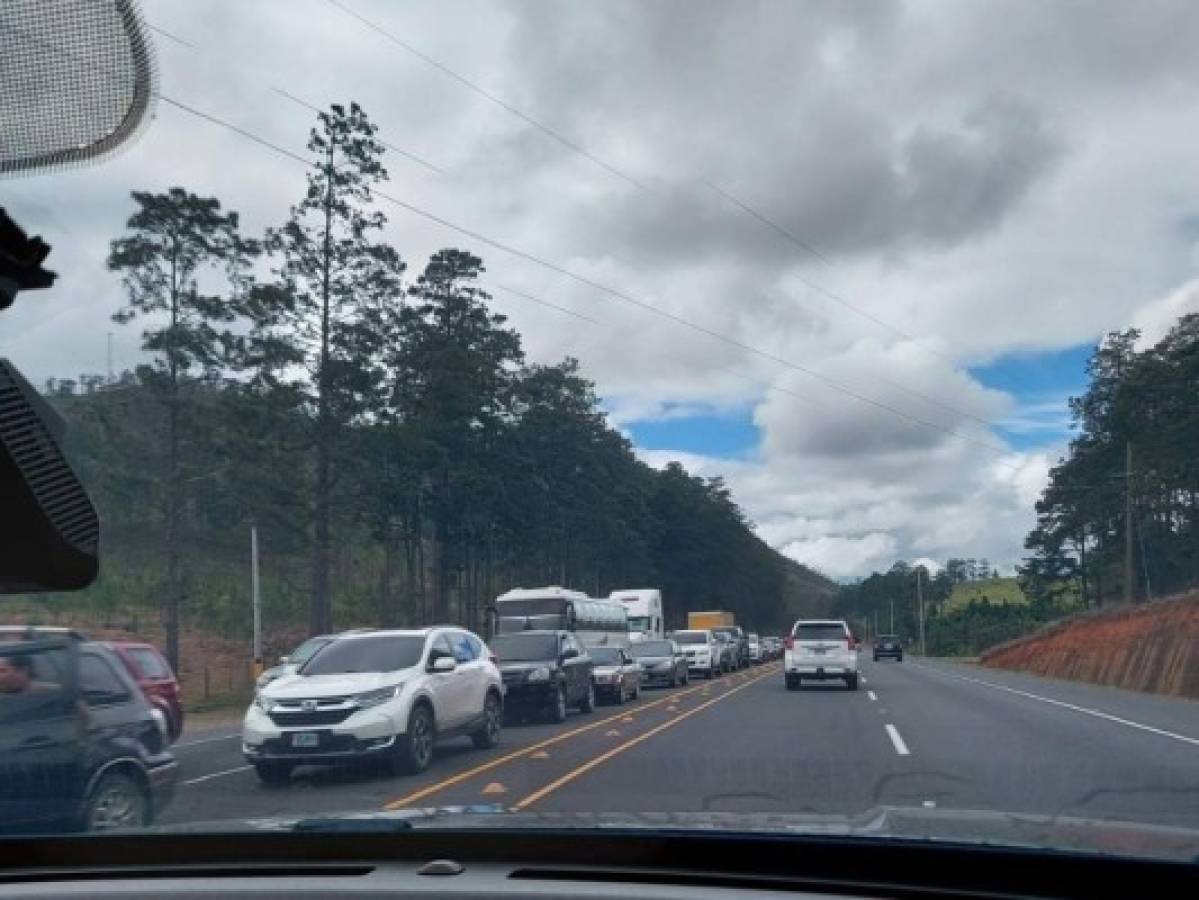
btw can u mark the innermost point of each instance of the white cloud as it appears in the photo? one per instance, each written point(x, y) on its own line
point(1155, 318)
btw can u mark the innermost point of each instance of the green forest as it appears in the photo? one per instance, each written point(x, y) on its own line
point(1118, 521)
point(380, 427)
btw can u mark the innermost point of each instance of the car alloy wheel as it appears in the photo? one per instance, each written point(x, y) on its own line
point(489, 734)
point(558, 710)
point(117, 802)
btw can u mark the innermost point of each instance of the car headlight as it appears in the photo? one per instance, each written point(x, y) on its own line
point(541, 673)
point(266, 704)
point(377, 697)
point(265, 678)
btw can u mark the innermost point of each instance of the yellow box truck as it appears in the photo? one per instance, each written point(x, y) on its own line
point(712, 619)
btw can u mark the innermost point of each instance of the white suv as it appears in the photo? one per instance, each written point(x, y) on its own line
point(702, 650)
point(820, 649)
point(383, 695)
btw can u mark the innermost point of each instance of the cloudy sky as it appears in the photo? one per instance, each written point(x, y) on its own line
point(897, 228)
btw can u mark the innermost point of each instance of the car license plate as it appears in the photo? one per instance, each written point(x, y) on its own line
point(305, 739)
point(819, 651)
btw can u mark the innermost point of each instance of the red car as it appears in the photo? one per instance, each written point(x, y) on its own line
point(153, 675)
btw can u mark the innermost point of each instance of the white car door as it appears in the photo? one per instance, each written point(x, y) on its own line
point(473, 666)
point(451, 690)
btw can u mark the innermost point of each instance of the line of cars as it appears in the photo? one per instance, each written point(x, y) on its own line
point(385, 698)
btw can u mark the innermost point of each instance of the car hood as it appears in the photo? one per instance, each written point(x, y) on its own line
point(652, 660)
point(296, 687)
point(971, 827)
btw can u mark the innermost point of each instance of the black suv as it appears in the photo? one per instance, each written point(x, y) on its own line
point(81, 749)
point(888, 645)
point(544, 673)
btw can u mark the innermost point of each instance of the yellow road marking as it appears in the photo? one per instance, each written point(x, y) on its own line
point(633, 742)
point(540, 754)
point(495, 788)
point(612, 732)
point(524, 751)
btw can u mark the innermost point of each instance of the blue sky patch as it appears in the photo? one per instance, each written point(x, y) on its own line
point(1041, 384)
point(727, 434)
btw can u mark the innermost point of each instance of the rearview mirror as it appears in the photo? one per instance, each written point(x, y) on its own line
point(443, 664)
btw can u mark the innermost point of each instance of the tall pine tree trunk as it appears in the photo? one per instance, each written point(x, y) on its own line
point(321, 619)
point(174, 586)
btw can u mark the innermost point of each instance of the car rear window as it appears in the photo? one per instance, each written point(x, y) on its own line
point(151, 664)
point(819, 631)
point(384, 653)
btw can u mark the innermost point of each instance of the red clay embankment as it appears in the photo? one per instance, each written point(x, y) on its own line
point(1151, 647)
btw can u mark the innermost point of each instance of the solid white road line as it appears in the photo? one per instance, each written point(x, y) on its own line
point(871, 695)
point(900, 747)
point(218, 775)
point(1071, 706)
point(211, 740)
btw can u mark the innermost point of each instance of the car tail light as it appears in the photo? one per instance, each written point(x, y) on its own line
point(789, 643)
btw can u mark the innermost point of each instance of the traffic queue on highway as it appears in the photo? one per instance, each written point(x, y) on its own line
point(383, 697)
point(388, 696)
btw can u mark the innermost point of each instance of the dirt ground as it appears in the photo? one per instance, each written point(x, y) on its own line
point(1150, 647)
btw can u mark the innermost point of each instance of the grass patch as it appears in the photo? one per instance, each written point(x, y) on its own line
point(1002, 591)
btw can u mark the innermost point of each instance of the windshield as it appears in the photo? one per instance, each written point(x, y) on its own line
point(652, 648)
point(873, 326)
point(604, 656)
point(525, 647)
point(306, 651)
point(385, 653)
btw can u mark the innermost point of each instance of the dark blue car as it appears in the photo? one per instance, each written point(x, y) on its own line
point(81, 749)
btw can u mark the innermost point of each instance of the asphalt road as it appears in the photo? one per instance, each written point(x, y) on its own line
point(916, 734)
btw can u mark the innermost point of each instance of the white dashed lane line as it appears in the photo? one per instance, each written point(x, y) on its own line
point(900, 747)
point(871, 695)
point(211, 740)
point(217, 775)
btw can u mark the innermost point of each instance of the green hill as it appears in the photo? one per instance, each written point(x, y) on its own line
point(996, 590)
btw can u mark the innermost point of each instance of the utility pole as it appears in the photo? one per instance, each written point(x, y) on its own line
point(257, 600)
point(1129, 574)
point(920, 606)
point(110, 357)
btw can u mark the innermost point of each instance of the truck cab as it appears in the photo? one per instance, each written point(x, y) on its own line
point(644, 605)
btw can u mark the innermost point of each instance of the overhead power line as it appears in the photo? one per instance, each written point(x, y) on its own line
point(745, 207)
point(312, 107)
point(609, 291)
point(490, 97)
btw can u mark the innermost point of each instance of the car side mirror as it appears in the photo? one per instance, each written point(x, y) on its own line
point(443, 664)
point(570, 653)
